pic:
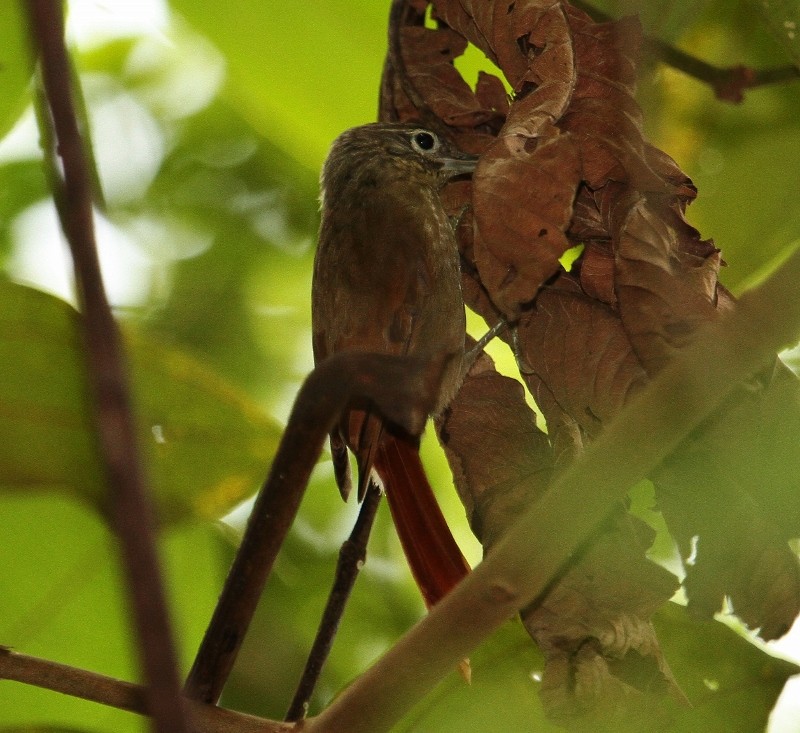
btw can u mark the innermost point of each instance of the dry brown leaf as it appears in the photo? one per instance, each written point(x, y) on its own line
point(493, 446)
point(566, 164)
point(491, 93)
point(597, 273)
point(604, 669)
point(428, 56)
point(665, 284)
point(593, 624)
point(522, 207)
point(577, 347)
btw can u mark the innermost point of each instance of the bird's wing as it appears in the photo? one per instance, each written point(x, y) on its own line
point(372, 276)
point(374, 294)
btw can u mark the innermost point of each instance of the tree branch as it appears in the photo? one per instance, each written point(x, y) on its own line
point(352, 556)
point(524, 561)
point(130, 506)
point(122, 695)
point(728, 83)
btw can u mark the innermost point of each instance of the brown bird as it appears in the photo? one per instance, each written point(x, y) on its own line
point(387, 280)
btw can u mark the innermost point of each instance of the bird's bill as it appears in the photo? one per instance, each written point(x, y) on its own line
point(456, 166)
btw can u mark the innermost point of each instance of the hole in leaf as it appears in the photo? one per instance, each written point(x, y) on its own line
point(692, 559)
point(567, 260)
point(470, 63)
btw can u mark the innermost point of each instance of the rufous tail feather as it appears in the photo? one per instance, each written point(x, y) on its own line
point(433, 555)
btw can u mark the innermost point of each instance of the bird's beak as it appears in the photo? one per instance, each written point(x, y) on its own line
point(465, 163)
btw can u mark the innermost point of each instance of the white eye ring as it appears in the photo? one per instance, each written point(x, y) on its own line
point(424, 142)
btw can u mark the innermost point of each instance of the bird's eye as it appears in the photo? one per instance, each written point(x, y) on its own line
point(424, 142)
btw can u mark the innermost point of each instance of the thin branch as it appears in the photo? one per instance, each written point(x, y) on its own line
point(352, 556)
point(130, 507)
point(524, 561)
point(402, 389)
point(728, 83)
point(82, 116)
point(122, 695)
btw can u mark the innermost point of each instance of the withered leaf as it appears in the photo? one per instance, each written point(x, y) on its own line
point(565, 164)
point(593, 623)
point(577, 347)
point(597, 273)
point(601, 651)
point(665, 284)
point(493, 446)
point(428, 55)
point(491, 93)
point(522, 207)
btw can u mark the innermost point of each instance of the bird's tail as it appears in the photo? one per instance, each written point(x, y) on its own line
point(433, 555)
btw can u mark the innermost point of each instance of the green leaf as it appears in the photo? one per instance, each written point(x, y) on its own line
point(731, 683)
point(503, 694)
point(301, 75)
point(206, 446)
point(64, 599)
point(15, 65)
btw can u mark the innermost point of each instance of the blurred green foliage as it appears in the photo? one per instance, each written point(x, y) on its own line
point(182, 407)
point(209, 135)
point(15, 65)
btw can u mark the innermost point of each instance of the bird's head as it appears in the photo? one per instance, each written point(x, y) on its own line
point(374, 155)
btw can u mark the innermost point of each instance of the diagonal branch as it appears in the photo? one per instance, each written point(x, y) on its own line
point(523, 563)
point(352, 556)
point(403, 391)
point(115, 693)
point(130, 506)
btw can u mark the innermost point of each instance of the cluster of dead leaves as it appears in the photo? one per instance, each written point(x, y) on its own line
point(564, 164)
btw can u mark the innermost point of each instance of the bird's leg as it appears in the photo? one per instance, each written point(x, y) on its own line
point(455, 221)
point(352, 555)
point(471, 355)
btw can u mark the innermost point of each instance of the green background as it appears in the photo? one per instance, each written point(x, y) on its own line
point(210, 132)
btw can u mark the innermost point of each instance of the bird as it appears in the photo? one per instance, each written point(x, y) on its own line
point(387, 280)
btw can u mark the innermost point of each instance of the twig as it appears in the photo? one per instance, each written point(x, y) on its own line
point(82, 116)
point(728, 83)
point(352, 556)
point(130, 507)
point(523, 562)
point(122, 695)
point(401, 392)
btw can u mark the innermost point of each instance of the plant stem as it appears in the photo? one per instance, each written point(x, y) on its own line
point(131, 510)
point(122, 695)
